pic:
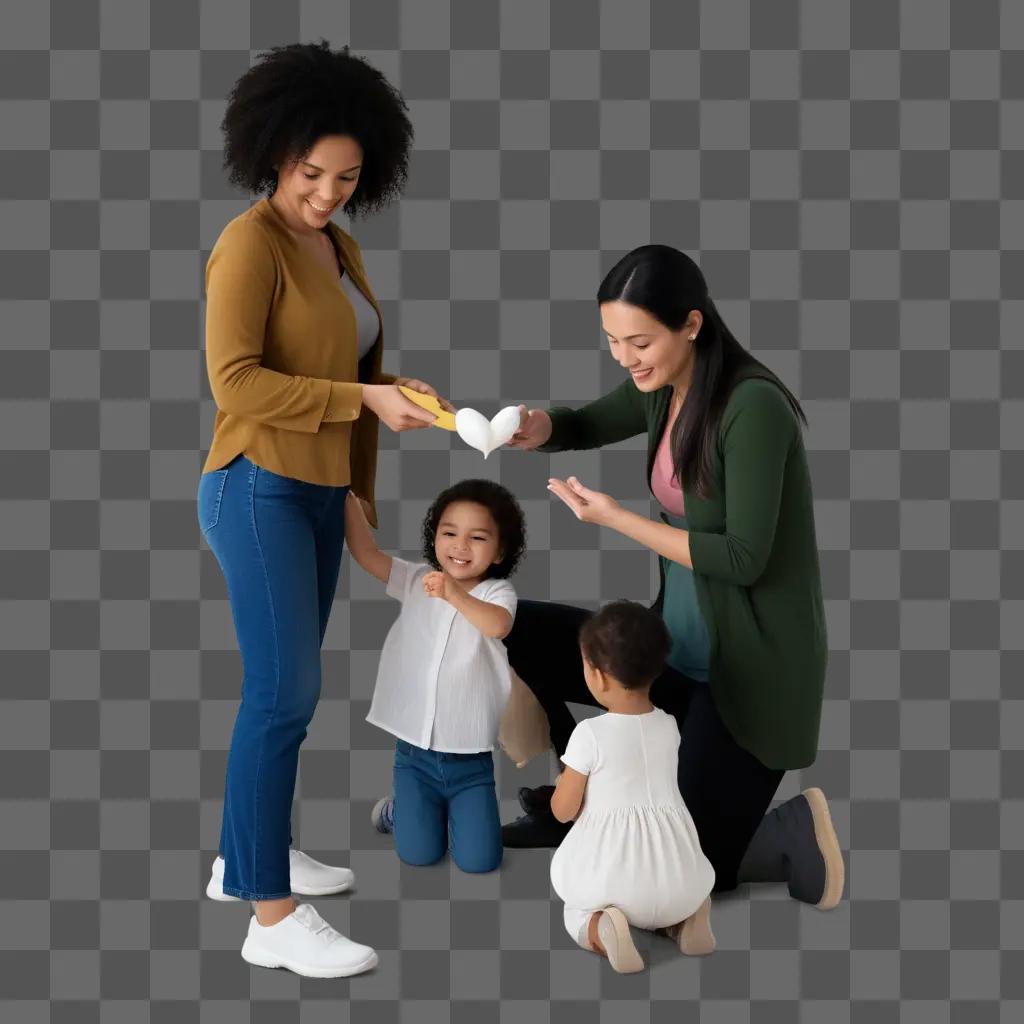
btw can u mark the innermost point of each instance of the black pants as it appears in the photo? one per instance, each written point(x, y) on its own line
point(726, 789)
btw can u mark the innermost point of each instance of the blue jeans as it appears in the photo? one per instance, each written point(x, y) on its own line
point(446, 801)
point(278, 542)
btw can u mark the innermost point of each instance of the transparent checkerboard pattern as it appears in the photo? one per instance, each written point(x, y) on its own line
point(851, 179)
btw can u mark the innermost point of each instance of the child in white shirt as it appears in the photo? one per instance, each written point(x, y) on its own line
point(444, 678)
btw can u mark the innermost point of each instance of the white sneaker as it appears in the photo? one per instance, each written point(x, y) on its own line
point(306, 944)
point(308, 878)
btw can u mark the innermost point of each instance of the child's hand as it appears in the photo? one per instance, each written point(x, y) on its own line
point(353, 511)
point(437, 584)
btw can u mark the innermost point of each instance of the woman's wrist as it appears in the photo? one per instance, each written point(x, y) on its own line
point(618, 518)
point(370, 392)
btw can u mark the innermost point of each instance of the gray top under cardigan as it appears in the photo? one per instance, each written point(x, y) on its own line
point(366, 316)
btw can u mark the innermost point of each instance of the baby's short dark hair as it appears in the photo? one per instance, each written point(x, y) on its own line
point(505, 511)
point(628, 642)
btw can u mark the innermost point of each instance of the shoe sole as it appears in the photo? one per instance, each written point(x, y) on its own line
point(828, 844)
point(215, 891)
point(260, 958)
point(515, 844)
point(695, 935)
point(613, 931)
point(518, 844)
point(329, 890)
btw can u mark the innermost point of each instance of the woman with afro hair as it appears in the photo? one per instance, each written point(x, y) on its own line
point(294, 353)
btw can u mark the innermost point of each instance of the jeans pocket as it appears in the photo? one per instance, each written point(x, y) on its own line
point(209, 497)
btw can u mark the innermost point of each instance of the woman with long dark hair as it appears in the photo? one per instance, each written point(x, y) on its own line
point(740, 582)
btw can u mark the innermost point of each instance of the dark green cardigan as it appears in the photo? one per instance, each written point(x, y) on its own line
point(755, 558)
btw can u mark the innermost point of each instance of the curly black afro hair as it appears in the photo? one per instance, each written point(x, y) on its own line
point(297, 94)
point(505, 511)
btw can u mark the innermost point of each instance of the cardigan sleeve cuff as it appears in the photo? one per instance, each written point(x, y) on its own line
point(561, 418)
point(702, 556)
point(344, 402)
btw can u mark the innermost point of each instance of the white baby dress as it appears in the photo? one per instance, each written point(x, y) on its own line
point(634, 845)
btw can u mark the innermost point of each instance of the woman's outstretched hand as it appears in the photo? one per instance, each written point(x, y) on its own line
point(534, 429)
point(587, 505)
point(425, 389)
point(393, 408)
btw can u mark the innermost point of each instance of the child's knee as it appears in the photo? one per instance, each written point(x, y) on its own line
point(419, 847)
point(477, 862)
point(420, 858)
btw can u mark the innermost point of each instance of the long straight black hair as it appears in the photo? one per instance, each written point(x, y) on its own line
point(667, 284)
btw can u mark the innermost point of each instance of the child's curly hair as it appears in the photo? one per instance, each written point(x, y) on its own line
point(505, 511)
point(299, 93)
point(626, 641)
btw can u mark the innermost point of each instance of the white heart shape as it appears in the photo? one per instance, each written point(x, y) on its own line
point(485, 437)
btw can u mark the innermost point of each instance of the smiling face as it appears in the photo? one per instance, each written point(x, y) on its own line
point(467, 543)
point(652, 353)
point(313, 187)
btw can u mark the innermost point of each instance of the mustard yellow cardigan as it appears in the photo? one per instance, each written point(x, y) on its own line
point(281, 354)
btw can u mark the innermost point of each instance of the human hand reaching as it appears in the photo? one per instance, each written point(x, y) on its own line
point(393, 408)
point(589, 506)
point(425, 389)
point(534, 429)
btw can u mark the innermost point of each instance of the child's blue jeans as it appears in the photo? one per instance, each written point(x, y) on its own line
point(446, 801)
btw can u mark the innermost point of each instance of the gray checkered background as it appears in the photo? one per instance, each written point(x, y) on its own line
point(850, 176)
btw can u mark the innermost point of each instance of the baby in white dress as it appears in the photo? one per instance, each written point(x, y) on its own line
point(632, 857)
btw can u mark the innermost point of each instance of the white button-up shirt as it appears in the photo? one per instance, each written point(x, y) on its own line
point(441, 684)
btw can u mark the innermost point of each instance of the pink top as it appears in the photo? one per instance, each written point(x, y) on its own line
point(665, 487)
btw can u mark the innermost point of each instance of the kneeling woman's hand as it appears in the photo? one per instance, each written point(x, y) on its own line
point(587, 505)
point(534, 429)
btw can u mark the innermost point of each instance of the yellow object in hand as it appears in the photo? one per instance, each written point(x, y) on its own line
point(445, 420)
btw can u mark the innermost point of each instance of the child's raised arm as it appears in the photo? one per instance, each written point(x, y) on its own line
point(567, 798)
point(360, 543)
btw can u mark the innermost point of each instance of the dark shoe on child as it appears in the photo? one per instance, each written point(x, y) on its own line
point(541, 830)
point(796, 843)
